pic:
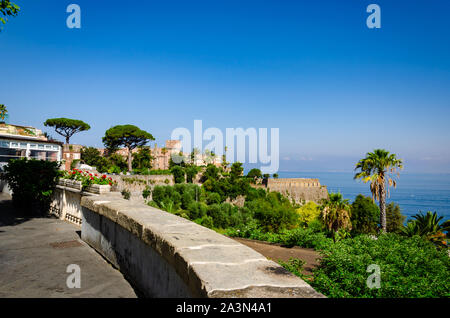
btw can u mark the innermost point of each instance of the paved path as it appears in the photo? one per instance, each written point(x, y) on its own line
point(35, 253)
point(277, 252)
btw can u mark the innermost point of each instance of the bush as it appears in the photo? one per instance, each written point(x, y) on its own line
point(213, 198)
point(191, 173)
point(410, 267)
point(307, 238)
point(273, 213)
point(254, 194)
point(316, 226)
point(307, 213)
point(365, 216)
point(178, 174)
point(205, 221)
point(197, 210)
point(126, 194)
point(146, 192)
point(32, 183)
point(166, 198)
point(179, 196)
point(114, 169)
point(295, 266)
point(394, 218)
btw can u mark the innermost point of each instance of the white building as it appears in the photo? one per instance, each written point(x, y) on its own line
point(26, 142)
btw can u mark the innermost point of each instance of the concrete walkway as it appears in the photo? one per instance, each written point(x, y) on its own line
point(35, 253)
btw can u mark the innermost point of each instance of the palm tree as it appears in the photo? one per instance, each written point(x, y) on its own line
point(377, 168)
point(3, 112)
point(428, 226)
point(336, 214)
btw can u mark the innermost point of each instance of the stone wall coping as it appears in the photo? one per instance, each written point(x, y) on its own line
point(301, 180)
point(211, 265)
point(75, 190)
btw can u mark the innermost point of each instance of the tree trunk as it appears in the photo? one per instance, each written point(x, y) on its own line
point(383, 208)
point(67, 139)
point(130, 160)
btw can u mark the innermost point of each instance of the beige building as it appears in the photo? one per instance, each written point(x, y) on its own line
point(71, 153)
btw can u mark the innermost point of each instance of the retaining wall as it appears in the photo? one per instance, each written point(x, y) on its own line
point(164, 255)
point(168, 256)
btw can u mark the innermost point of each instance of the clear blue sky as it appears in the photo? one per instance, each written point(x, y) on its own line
point(335, 88)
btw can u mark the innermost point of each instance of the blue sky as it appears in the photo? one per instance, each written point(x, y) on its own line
point(335, 88)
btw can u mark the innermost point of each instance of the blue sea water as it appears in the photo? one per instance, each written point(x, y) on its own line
point(414, 192)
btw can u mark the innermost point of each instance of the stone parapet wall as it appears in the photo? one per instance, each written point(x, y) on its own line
point(299, 189)
point(66, 203)
point(168, 256)
point(137, 183)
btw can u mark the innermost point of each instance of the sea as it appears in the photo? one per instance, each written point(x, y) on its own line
point(414, 192)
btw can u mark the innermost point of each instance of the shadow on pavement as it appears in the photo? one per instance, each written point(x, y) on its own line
point(8, 215)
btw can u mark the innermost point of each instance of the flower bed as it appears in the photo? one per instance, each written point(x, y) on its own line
point(83, 180)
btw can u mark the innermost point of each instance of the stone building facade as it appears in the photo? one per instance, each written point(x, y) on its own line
point(71, 153)
point(299, 189)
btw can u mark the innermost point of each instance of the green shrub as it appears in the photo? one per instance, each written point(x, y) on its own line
point(365, 216)
point(179, 196)
point(191, 173)
point(114, 169)
point(308, 238)
point(213, 198)
point(178, 174)
point(316, 226)
point(394, 218)
point(305, 238)
point(225, 215)
point(166, 197)
point(126, 194)
point(410, 267)
point(32, 183)
point(273, 213)
point(146, 192)
point(295, 266)
point(197, 210)
point(254, 194)
point(205, 221)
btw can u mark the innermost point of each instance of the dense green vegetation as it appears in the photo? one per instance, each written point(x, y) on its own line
point(32, 183)
point(410, 267)
point(268, 210)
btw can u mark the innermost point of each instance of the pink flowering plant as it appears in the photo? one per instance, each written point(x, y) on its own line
point(87, 179)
